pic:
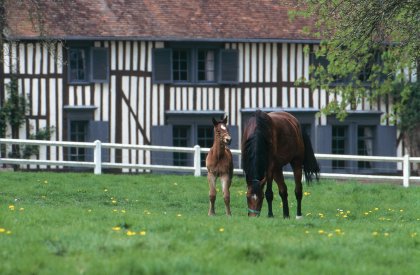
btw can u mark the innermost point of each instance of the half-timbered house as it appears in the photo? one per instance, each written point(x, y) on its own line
point(155, 72)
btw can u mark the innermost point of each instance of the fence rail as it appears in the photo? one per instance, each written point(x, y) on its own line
point(98, 165)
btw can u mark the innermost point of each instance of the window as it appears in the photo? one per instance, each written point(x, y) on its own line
point(180, 139)
point(186, 64)
point(78, 132)
point(87, 64)
point(205, 140)
point(365, 144)
point(338, 145)
point(206, 66)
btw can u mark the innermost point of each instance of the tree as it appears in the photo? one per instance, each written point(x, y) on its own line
point(371, 50)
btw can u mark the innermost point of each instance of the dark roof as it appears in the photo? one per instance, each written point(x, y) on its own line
point(224, 20)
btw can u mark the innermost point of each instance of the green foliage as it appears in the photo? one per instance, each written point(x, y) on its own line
point(15, 108)
point(409, 112)
point(43, 134)
point(69, 223)
point(353, 33)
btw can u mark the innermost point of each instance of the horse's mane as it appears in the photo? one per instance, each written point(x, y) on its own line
point(256, 148)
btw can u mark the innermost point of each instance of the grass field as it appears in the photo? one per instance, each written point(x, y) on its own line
point(68, 223)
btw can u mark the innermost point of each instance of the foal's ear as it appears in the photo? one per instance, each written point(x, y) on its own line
point(225, 120)
point(214, 121)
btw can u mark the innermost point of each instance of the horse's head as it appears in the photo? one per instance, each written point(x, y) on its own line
point(221, 131)
point(255, 196)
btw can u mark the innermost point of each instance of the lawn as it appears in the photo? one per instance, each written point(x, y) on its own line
point(75, 223)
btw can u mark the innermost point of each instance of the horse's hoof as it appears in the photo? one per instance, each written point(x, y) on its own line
point(299, 217)
point(270, 215)
point(212, 214)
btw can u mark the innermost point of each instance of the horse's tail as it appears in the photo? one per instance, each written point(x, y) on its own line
point(310, 164)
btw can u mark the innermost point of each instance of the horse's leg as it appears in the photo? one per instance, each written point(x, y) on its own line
point(226, 182)
point(212, 192)
point(297, 173)
point(269, 197)
point(278, 177)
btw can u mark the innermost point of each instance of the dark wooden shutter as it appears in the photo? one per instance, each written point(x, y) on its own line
point(162, 135)
point(100, 65)
point(385, 145)
point(98, 130)
point(323, 145)
point(229, 66)
point(162, 66)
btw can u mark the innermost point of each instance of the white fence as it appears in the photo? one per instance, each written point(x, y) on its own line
point(97, 165)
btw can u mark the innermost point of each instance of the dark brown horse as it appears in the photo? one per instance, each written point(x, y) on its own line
point(269, 142)
point(219, 164)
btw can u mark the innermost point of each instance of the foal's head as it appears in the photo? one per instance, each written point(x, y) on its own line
point(221, 131)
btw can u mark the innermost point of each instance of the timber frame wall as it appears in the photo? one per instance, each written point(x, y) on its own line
point(132, 104)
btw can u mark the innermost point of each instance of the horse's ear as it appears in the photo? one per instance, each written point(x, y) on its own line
point(214, 121)
point(225, 120)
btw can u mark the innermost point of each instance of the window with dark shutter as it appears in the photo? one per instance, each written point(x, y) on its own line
point(100, 65)
point(229, 66)
point(162, 66)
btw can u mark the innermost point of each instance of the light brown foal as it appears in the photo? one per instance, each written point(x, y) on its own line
point(219, 164)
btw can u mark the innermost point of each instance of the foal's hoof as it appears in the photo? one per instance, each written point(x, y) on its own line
point(299, 217)
point(270, 215)
point(211, 214)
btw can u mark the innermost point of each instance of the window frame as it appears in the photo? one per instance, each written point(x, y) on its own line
point(163, 64)
point(90, 52)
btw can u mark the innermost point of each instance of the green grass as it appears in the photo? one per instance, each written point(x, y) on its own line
point(64, 223)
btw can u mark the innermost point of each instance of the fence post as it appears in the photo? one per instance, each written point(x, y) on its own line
point(197, 161)
point(97, 157)
point(406, 171)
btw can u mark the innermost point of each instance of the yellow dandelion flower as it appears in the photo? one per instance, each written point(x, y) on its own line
point(131, 233)
point(114, 201)
point(345, 216)
point(2, 230)
point(89, 210)
point(123, 211)
point(401, 210)
point(142, 233)
point(105, 190)
point(21, 209)
point(348, 212)
point(221, 229)
point(178, 215)
point(366, 213)
point(12, 207)
point(414, 234)
point(306, 231)
point(321, 231)
point(45, 181)
point(375, 233)
point(338, 231)
point(116, 228)
point(330, 235)
point(376, 209)
point(386, 234)
point(115, 210)
point(306, 193)
point(8, 232)
point(175, 183)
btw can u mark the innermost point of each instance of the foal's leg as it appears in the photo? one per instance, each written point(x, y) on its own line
point(211, 179)
point(278, 177)
point(269, 197)
point(226, 182)
point(297, 173)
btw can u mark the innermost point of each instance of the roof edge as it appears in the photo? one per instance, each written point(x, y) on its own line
point(164, 38)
